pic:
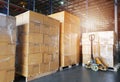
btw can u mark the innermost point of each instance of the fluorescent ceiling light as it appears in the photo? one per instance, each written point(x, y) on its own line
point(62, 2)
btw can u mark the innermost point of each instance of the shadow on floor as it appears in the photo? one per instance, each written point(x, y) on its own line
point(80, 74)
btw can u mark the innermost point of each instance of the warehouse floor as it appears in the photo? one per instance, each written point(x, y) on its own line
point(80, 74)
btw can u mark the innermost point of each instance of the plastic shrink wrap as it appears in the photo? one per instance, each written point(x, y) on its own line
point(38, 44)
point(70, 32)
point(7, 48)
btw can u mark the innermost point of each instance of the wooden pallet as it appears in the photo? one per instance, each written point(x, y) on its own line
point(38, 76)
point(28, 79)
point(115, 68)
point(68, 67)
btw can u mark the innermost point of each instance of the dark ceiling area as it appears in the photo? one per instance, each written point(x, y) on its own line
point(77, 7)
point(100, 13)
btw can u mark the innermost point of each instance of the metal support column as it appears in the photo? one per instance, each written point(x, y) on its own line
point(116, 16)
point(116, 19)
point(8, 6)
point(33, 5)
point(51, 7)
point(29, 4)
point(116, 27)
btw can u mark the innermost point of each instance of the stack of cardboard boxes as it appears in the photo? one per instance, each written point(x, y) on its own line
point(103, 47)
point(7, 48)
point(38, 44)
point(69, 38)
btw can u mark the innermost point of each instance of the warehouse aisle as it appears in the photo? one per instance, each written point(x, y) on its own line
point(80, 74)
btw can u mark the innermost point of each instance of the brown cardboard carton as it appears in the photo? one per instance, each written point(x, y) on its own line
point(44, 48)
point(46, 58)
point(22, 70)
point(67, 61)
point(47, 39)
point(44, 68)
point(54, 65)
point(34, 27)
point(10, 75)
point(21, 59)
point(35, 58)
point(69, 34)
point(103, 47)
point(33, 69)
point(7, 48)
point(107, 54)
point(6, 61)
point(2, 75)
point(30, 48)
point(36, 33)
point(5, 38)
point(7, 75)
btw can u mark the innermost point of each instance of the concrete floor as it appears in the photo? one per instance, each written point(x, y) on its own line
point(80, 74)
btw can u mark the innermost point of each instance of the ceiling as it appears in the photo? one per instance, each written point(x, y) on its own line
point(100, 13)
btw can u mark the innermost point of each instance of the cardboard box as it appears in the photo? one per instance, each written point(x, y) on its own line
point(107, 54)
point(22, 70)
point(69, 34)
point(21, 59)
point(104, 37)
point(47, 39)
point(44, 68)
point(44, 48)
point(28, 48)
point(6, 62)
point(7, 75)
point(34, 40)
point(10, 75)
point(46, 58)
point(8, 29)
point(103, 47)
point(35, 58)
point(7, 48)
point(33, 70)
point(54, 65)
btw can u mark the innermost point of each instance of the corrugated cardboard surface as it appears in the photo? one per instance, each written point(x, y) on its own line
point(7, 48)
point(7, 75)
point(69, 38)
point(38, 41)
point(103, 47)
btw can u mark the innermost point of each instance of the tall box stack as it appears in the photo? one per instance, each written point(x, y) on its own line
point(7, 48)
point(69, 38)
point(103, 47)
point(38, 44)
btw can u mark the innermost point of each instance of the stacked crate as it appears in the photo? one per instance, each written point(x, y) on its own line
point(7, 48)
point(69, 38)
point(38, 44)
point(103, 47)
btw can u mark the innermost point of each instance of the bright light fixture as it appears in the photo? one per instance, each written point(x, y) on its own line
point(62, 2)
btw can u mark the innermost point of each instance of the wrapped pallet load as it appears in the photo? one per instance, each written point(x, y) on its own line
point(69, 38)
point(103, 47)
point(7, 48)
point(38, 44)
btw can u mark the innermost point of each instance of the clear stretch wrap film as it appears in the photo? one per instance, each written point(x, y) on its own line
point(103, 47)
point(38, 48)
point(8, 29)
point(69, 38)
point(7, 48)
